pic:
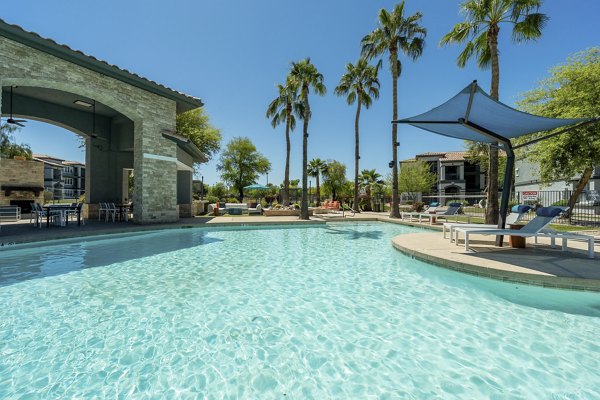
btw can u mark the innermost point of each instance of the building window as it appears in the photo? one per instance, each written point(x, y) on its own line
point(451, 173)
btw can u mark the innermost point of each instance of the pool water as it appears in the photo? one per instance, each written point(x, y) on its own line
point(304, 312)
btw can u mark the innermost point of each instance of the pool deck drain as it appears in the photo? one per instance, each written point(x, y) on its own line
point(541, 266)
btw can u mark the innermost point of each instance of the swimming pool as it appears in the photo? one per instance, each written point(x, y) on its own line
point(296, 312)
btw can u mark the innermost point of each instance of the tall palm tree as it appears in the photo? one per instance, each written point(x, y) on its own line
point(367, 178)
point(316, 168)
point(281, 109)
point(304, 76)
point(396, 32)
point(359, 84)
point(480, 31)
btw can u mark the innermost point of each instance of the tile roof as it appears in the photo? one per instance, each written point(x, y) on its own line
point(17, 33)
point(446, 155)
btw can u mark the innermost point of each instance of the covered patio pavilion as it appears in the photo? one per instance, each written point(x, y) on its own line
point(473, 115)
point(127, 122)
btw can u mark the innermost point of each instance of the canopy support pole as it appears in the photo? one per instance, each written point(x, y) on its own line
point(506, 189)
point(508, 173)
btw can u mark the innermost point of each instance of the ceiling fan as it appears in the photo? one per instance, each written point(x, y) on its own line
point(11, 120)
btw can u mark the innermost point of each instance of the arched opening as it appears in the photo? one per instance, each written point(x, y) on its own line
point(107, 134)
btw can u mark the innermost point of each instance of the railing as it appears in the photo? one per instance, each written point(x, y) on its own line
point(10, 213)
point(586, 211)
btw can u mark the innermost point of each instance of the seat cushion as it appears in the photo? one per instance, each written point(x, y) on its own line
point(549, 211)
point(520, 208)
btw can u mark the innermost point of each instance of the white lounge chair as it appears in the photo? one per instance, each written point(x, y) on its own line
point(451, 211)
point(537, 227)
point(257, 210)
point(432, 209)
point(516, 213)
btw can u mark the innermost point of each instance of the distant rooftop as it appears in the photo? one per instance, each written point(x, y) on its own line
point(445, 156)
point(59, 162)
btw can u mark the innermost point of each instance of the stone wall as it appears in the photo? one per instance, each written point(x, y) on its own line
point(21, 172)
point(155, 158)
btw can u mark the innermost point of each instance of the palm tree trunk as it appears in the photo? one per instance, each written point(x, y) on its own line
point(395, 212)
point(585, 178)
point(304, 204)
point(318, 190)
point(356, 154)
point(492, 210)
point(286, 179)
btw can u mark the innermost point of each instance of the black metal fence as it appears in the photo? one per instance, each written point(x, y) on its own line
point(586, 211)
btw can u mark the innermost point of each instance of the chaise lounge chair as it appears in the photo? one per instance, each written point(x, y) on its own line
point(516, 213)
point(537, 227)
point(257, 210)
point(452, 210)
point(433, 206)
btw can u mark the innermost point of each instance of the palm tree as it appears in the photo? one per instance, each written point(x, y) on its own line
point(304, 76)
point(395, 33)
point(359, 84)
point(281, 109)
point(316, 168)
point(480, 31)
point(367, 178)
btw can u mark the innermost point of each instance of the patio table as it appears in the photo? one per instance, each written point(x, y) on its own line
point(62, 209)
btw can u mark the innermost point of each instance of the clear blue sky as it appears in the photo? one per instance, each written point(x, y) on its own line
point(232, 53)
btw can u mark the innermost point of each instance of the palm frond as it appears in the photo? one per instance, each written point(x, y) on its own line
point(530, 28)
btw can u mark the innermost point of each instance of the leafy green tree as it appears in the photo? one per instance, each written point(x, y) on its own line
point(195, 125)
point(241, 164)
point(367, 179)
point(218, 190)
point(8, 146)
point(316, 168)
point(480, 31)
point(395, 33)
point(284, 108)
point(335, 178)
point(571, 91)
point(415, 177)
point(304, 76)
point(359, 84)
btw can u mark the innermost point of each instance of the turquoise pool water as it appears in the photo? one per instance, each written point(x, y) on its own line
point(298, 313)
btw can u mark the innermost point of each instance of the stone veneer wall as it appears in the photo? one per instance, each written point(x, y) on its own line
point(21, 172)
point(155, 191)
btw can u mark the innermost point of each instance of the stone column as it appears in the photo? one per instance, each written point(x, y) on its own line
point(155, 166)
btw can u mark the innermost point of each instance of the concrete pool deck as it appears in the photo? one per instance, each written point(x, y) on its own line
point(540, 266)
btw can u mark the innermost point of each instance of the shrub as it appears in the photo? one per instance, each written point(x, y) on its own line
point(212, 199)
point(463, 202)
point(418, 206)
point(561, 203)
point(232, 200)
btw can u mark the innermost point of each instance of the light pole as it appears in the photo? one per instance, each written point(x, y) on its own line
point(202, 187)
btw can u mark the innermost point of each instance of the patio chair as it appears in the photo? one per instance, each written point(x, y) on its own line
point(537, 227)
point(516, 213)
point(74, 211)
point(451, 211)
point(103, 209)
point(433, 206)
point(257, 210)
point(111, 211)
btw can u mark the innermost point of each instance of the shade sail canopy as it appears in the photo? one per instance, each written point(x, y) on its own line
point(473, 115)
point(255, 186)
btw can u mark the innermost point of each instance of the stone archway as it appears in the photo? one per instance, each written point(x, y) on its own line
point(108, 134)
point(28, 60)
